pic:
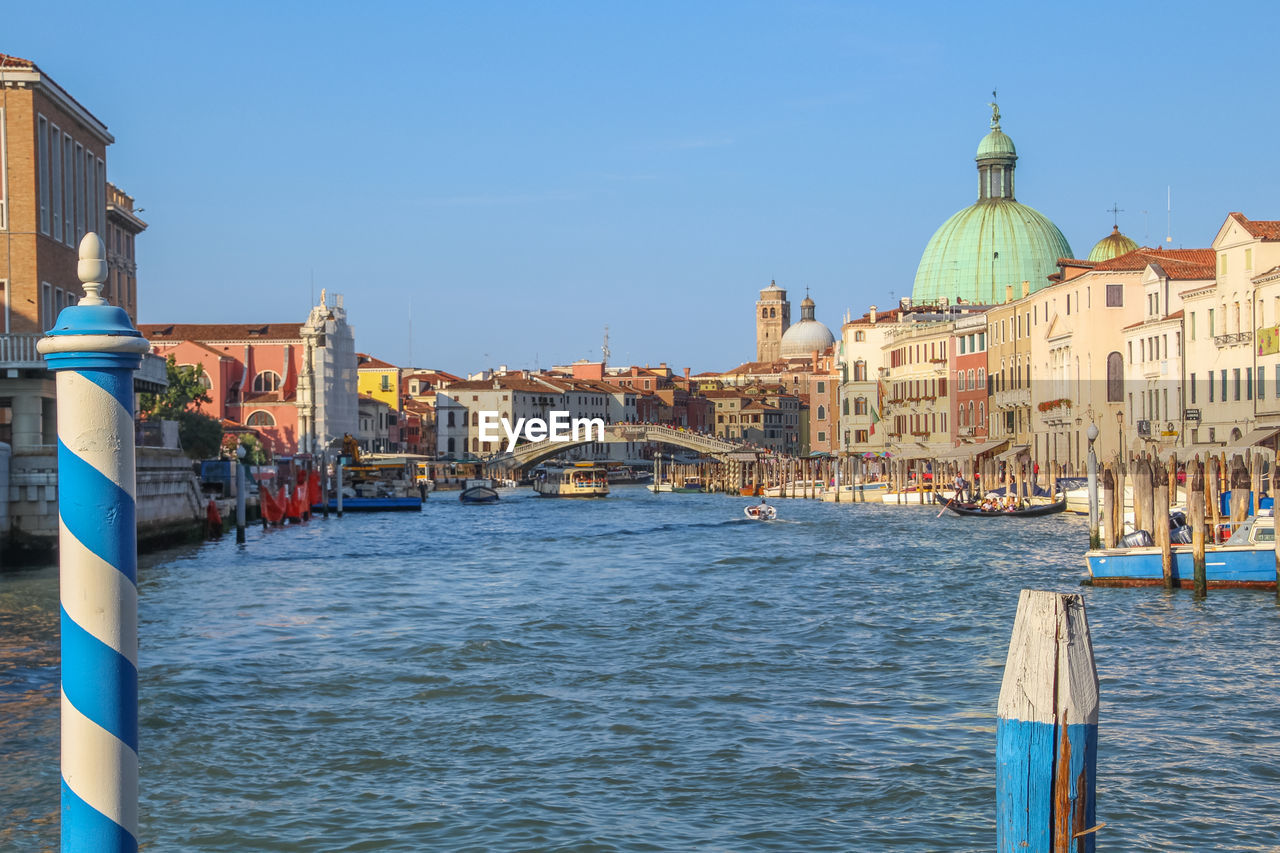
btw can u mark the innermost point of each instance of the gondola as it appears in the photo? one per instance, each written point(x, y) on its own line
point(1029, 512)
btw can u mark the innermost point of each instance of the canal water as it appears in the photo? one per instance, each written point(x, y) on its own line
point(641, 673)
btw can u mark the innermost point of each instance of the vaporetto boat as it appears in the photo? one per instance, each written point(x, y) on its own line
point(580, 481)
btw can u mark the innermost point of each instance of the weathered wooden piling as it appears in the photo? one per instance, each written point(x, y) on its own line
point(1195, 517)
point(1143, 495)
point(1047, 730)
point(1118, 506)
point(1109, 507)
point(1212, 496)
point(1239, 492)
point(1160, 528)
point(240, 494)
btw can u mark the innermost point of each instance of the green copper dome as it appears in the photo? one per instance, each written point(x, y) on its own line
point(1111, 246)
point(996, 144)
point(994, 243)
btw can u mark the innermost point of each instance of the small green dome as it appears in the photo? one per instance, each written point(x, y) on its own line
point(986, 247)
point(996, 144)
point(1111, 246)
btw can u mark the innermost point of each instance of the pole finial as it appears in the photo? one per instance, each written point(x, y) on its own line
point(92, 268)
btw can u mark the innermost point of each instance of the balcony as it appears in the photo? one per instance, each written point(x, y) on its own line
point(1011, 397)
point(1231, 340)
point(18, 352)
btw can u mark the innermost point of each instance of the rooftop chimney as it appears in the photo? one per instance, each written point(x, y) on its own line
point(1008, 293)
point(872, 315)
point(1026, 289)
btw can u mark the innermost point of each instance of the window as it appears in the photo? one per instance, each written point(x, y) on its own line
point(1210, 386)
point(1115, 295)
point(1193, 387)
point(764, 313)
point(1248, 382)
point(202, 378)
point(860, 406)
point(1212, 330)
point(860, 436)
point(267, 380)
point(386, 382)
point(982, 378)
point(859, 336)
point(1224, 385)
point(42, 157)
point(260, 419)
point(822, 387)
point(77, 160)
point(822, 413)
point(1248, 259)
point(4, 305)
point(1235, 376)
point(451, 423)
point(822, 436)
point(1262, 377)
point(1115, 377)
point(68, 190)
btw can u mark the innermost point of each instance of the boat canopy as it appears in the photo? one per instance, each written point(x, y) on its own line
point(1013, 452)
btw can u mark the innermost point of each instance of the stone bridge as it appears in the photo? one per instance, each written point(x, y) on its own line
point(531, 453)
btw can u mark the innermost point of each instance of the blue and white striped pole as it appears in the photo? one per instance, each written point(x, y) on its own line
point(94, 350)
point(1047, 730)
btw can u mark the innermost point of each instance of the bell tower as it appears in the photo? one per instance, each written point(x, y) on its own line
point(773, 318)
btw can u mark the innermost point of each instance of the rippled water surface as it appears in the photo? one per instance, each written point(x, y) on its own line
point(642, 673)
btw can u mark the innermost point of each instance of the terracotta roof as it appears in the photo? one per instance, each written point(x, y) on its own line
point(433, 375)
point(208, 332)
point(170, 344)
point(1176, 263)
point(363, 360)
point(1264, 229)
point(7, 61)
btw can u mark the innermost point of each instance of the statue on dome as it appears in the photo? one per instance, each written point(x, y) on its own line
point(995, 113)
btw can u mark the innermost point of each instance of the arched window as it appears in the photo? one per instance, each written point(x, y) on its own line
point(859, 336)
point(451, 423)
point(451, 443)
point(764, 313)
point(1115, 378)
point(846, 405)
point(475, 419)
point(859, 371)
point(773, 312)
point(267, 380)
point(822, 413)
point(198, 371)
point(260, 419)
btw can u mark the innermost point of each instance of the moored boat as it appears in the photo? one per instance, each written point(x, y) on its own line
point(1245, 560)
point(479, 491)
point(580, 481)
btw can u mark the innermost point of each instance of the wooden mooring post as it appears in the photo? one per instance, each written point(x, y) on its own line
point(1160, 526)
point(1195, 513)
point(1275, 505)
point(1047, 730)
point(1108, 507)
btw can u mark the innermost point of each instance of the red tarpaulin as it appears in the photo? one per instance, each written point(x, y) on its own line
point(272, 508)
point(316, 496)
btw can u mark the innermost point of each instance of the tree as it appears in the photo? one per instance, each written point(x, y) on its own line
point(254, 452)
point(184, 389)
point(199, 434)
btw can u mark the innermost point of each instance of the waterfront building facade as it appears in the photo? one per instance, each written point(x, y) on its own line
point(293, 383)
point(862, 385)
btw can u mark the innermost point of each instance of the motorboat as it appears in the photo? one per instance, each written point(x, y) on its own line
point(1247, 559)
point(478, 491)
point(760, 512)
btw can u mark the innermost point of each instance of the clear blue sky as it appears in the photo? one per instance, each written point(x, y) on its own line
point(523, 174)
